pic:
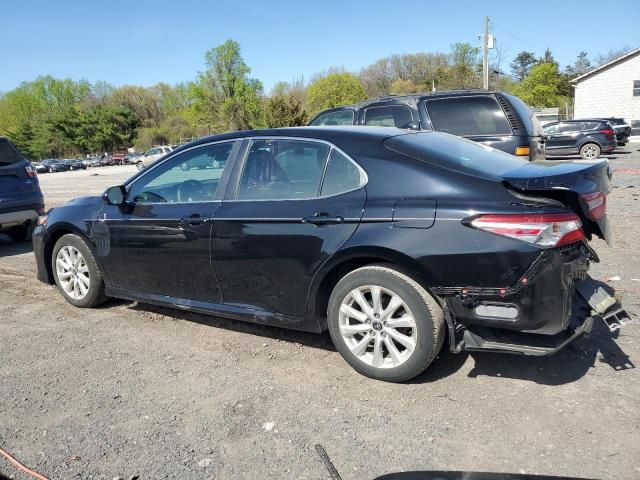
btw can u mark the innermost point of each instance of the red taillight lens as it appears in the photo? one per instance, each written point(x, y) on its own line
point(596, 204)
point(543, 230)
point(608, 131)
point(31, 172)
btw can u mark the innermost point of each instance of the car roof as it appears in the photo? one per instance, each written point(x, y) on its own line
point(327, 133)
point(411, 96)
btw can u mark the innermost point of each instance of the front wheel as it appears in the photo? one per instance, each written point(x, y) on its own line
point(76, 272)
point(140, 165)
point(385, 324)
point(590, 151)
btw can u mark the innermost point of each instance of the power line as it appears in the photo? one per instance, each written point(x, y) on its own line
point(537, 48)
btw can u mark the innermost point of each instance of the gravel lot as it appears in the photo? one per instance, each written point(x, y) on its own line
point(130, 389)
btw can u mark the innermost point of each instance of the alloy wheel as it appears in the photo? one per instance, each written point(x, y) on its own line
point(377, 326)
point(73, 272)
point(590, 152)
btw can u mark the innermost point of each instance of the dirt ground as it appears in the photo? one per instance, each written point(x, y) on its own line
point(132, 390)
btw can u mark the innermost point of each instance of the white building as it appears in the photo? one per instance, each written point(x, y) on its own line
point(611, 90)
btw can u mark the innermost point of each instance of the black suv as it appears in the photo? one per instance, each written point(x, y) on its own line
point(496, 119)
point(21, 200)
point(588, 136)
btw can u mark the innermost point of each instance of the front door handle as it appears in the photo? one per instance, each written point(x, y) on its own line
point(322, 218)
point(194, 220)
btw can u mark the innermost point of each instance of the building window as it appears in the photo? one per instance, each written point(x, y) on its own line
point(636, 88)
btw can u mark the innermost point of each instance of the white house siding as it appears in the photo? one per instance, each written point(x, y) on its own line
point(609, 92)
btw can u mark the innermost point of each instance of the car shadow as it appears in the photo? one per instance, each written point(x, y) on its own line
point(308, 339)
point(9, 248)
point(567, 366)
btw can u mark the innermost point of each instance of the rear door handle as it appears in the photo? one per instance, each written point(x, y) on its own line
point(194, 220)
point(322, 218)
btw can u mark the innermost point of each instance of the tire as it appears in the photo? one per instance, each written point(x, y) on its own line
point(21, 233)
point(590, 151)
point(50, 169)
point(95, 290)
point(425, 336)
point(140, 165)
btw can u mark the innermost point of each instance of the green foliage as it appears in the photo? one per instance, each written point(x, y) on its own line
point(403, 87)
point(580, 66)
point(334, 90)
point(522, 63)
point(541, 87)
point(284, 111)
point(225, 97)
point(464, 55)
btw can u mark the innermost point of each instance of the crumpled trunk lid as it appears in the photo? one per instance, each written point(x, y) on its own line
point(568, 182)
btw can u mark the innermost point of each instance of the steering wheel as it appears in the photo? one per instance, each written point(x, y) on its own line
point(190, 187)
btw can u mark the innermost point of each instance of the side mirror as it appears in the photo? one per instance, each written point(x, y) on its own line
point(414, 125)
point(115, 195)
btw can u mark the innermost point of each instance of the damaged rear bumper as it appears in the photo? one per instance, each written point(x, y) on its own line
point(555, 303)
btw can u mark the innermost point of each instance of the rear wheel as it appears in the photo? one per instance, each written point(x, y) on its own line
point(140, 165)
point(590, 151)
point(21, 233)
point(384, 324)
point(76, 272)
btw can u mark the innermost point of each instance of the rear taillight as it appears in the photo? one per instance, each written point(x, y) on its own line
point(31, 172)
point(596, 204)
point(608, 131)
point(543, 230)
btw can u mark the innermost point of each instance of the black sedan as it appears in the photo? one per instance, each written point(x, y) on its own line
point(391, 240)
point(74, 164)
point(53, 166)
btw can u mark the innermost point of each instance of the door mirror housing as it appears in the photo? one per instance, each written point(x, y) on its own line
point(115, 195)
point(414, 125)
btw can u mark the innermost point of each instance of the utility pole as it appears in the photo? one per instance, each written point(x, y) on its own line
point(485, 55)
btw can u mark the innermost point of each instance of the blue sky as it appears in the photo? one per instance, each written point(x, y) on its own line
point(145, 42)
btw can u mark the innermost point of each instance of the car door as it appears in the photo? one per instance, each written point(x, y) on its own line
point(295, 203)
point(565, 140)
point(158, 243)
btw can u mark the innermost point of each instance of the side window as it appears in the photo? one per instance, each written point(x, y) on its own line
point(468, 116)
point(342, 175)
point(550, 129)
point(337, 117)
point(388, 116)
point(278, 169)
point(153, 151)
point(569, 127)
point(191, 176)
point(590, 125)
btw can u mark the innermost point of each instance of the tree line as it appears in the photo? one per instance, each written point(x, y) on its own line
point(50, 117)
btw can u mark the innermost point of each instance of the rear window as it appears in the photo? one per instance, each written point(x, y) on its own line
point(9, 155)
point(462, 116)
point(456, 154)
point(388, 116)
point(336, 117)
